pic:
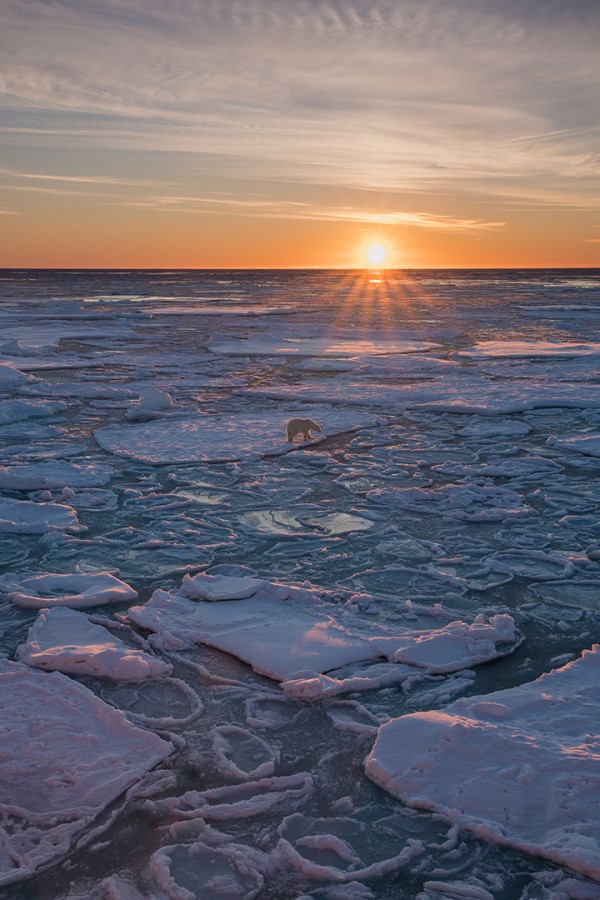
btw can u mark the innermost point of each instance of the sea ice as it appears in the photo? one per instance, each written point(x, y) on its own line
point(53, 475)
point(291, 635)
point(337, 346)
point(588, 444)
point(463, 502)
point(60, 767)
point(486, 349)
point(240, 754)
point(20, 410)
point(78, 590)
point(279, 639)
point(26, 517)
point(340, 849)
point(518, 767)
point(220, 437)
point(151, 403)
point(454, 647)
point(65, 640)
point(193, 870)
point(11, 377)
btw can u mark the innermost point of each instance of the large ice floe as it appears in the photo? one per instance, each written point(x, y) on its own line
point(291, 635)
point(64, 640)
point(66, 756)
point(519, 767)
point(220, 438)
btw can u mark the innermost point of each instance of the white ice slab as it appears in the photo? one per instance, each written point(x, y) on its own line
point(53, 474)
point(291, 635)
point(225, 309)
point(21, 410)
point(65, 756)
point(221, 438)
point(26, 517)
point(589, 444)
point(44, 337)
point(220, 587)
point(452, 648)
point(11, 377)
point(151, 403)
point(338, 346)
point(278, 637)
point(519, 767)
point(78, 590)
point(533, 349)
point(64, 640)
point(463, 502)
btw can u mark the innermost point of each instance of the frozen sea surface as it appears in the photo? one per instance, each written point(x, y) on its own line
point(362, 666)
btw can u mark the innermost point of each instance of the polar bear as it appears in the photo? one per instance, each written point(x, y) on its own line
point(301, 426)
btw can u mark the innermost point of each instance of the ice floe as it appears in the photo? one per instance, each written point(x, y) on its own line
point(240, 754)
point(456, 646)
point(220, 438)
point(53, 475)
point(27, 517)
point(19, 410)
point(11, 377)
point(339, 849)
point(533, 349)
point(463, 502)
point(61, 767)
point(65, 640)
point(518, 767)
point(588, 444)
point(336, 346)
point(77, 590)
point(289, 634)
point(151, 403)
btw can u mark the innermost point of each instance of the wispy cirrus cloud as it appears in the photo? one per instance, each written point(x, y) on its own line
point(297, 210)
point(488, 111)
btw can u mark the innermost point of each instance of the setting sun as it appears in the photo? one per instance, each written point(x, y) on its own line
point(376, 254)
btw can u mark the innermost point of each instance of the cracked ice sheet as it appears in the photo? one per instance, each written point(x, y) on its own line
point(290, 634)
point(54, 474)
point(64, 640)
point(336, 345)
point(588, 444)
point(465, 393)
point(529, 349)
point(462, 502)
point(21, 410)
point(518, 767)
point(222, 438)
point(66, 756)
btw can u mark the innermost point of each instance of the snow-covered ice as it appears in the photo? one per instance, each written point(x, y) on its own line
point(220, 438)
point(26, 517)
point(518, 767)
point(236, 620)
point(78, 590)
point(66, 756)
point(65, 640)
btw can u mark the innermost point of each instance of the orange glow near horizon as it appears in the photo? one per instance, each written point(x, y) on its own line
point(73, 233)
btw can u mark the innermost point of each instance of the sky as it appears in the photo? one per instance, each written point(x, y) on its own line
point(295, 133)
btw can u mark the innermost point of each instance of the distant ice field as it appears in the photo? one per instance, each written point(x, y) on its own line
point(360, 665)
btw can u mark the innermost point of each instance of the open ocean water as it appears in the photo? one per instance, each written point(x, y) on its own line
point(455, 479)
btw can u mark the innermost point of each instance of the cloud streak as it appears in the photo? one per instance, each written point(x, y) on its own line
point(485, 109)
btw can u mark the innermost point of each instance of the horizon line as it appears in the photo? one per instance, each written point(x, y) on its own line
point(296, 269)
